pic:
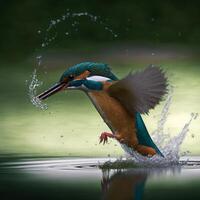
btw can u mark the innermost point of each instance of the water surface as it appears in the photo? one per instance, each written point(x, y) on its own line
point(81, 178)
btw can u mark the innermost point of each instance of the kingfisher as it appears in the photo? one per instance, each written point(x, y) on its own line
point(120, 102)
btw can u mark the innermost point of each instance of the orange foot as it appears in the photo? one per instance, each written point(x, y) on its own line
point(145, 150)
point(104, 137)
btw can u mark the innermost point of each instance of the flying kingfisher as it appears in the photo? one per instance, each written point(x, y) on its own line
point(120, 102)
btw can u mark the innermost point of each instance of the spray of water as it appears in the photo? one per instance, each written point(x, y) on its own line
point(169, 146)
point(32, 91)
point(51, 33)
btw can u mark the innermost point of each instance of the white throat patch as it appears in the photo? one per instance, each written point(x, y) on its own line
point(98, 78)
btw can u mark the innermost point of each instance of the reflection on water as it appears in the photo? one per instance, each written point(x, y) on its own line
point(130, 184)
point(123, 185)
point(81, 178)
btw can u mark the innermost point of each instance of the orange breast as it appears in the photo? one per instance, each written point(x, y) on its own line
point(114, 113)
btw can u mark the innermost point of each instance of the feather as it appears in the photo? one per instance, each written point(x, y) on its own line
point(141, 91)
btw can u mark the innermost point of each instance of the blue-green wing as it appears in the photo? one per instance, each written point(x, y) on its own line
point(143, 135)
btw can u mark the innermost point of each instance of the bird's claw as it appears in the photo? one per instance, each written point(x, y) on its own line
point(104, 137)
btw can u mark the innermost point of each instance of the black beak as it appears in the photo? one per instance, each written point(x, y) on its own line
point(54, 89)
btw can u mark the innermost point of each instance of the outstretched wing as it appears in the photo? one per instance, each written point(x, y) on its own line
point(141, 91)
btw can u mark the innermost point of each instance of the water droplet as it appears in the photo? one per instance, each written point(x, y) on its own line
point(53, 22)
point(38, 57)
point(95, 18)
point(74, 24)
point(32, 92)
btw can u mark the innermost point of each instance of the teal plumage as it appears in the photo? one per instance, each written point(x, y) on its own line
point(99, 69)
point(143, 135)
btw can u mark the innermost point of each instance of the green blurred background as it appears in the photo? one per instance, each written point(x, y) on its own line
point(164, 33)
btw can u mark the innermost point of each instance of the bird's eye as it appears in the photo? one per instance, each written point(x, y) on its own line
point(65, 80)
point(71, 77)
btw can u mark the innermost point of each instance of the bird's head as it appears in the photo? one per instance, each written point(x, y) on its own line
point(80, 71)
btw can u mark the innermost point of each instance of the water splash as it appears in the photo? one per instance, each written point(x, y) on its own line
point(32, 91)
point(169, 146)
point(51, 31)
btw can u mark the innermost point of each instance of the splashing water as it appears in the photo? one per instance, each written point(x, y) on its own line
point(71, 16)
point(32, 91)
point(169, 146)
